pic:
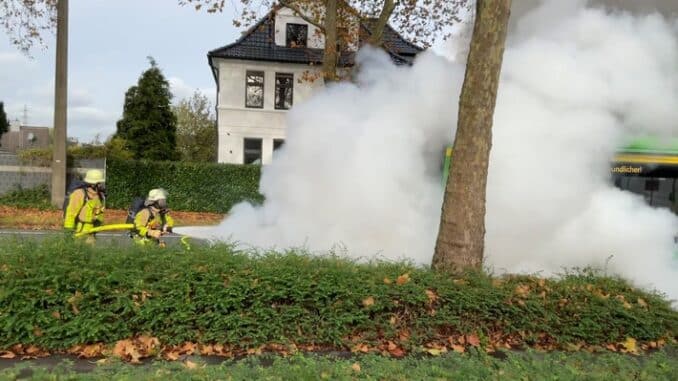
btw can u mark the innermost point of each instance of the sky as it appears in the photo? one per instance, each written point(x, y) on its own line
point(109, 42)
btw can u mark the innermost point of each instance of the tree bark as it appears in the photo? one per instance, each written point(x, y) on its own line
point(299, 12)
point(377, 37)
point(330, 53)
point(461, 236)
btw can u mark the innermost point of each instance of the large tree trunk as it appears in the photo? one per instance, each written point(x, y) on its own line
point(377, 37)
point(461, 238)
point(330, 55)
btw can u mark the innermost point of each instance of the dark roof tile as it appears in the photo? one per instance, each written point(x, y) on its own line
point(258, 43)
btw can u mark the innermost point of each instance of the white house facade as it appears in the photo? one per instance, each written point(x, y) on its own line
point(265, 73)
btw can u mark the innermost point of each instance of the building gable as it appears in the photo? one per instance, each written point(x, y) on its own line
point(259, 44)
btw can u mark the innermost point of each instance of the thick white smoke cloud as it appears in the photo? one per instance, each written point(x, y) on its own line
point(361, 163)
point(576, 82)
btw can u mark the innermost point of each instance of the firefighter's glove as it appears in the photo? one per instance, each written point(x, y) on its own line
point(154, 234)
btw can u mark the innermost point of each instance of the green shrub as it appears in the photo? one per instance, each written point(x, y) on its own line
point(42, 157)
point(197, 187)
point(87, 151)
point(38, 197)
point(59, 293)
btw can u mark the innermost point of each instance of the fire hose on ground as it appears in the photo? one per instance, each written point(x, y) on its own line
point(113, 227)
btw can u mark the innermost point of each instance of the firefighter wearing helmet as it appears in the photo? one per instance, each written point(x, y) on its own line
point(153, 220)
point(85, 203)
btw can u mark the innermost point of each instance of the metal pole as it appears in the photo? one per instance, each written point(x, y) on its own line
point(60, 104)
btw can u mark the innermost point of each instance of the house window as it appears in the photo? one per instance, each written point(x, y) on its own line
point(284, 85)
point(277, 143)
point(254, 92)
point(297, 34)
point(252, 151)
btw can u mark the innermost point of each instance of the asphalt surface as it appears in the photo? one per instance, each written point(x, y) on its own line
point(119, 238)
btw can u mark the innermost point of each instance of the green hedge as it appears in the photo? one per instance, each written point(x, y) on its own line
point(59, 293)
point(42, 157)
point(38, 197)
point(196, 187)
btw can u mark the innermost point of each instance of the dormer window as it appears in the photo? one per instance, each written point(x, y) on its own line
point(297, 35)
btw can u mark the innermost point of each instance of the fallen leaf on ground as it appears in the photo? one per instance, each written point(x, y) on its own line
point(473, 340)
point(360, 348)
point(458, 348)
point(126, 349)
point(404, 335)
point(188, 348)
point(397, 352)
point(7, 355)
point(171, 356)
point(403, 279)
point(436, 351)
point(356, 367)
point(522, 290)
point(148, 343)
point(207, 350)
point(431, 295)
point(630, 345)
point(89, 351)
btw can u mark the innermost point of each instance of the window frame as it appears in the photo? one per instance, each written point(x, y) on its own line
point(249, 73)
point(246, 151)
point(278, 144)
point(289, 26)
point(290, 86)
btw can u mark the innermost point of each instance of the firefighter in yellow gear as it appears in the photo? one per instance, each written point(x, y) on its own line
point(86, 204)
point(153, 221)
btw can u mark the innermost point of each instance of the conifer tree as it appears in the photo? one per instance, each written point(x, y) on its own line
point(148, 125)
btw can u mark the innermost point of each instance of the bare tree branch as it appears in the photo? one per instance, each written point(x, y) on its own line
point(301, 14)
point(377, 37)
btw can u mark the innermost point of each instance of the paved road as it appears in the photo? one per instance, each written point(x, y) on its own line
point(107, 237)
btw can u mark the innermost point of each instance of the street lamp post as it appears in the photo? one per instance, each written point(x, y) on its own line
point(60, 104)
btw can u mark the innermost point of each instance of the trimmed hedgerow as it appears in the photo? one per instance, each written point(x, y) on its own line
point(42, 157)
point(38, 197)
point(59, 293)
point(196, 187)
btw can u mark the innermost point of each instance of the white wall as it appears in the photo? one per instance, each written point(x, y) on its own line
point(316, 39)
point(284, 16)
point(237, 122)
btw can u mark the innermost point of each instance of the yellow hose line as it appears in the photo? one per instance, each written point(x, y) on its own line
point(106, 228)
point(184, 238)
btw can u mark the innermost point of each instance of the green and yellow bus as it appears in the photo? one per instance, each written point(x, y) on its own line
point(649, 167)
point(646, 166)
